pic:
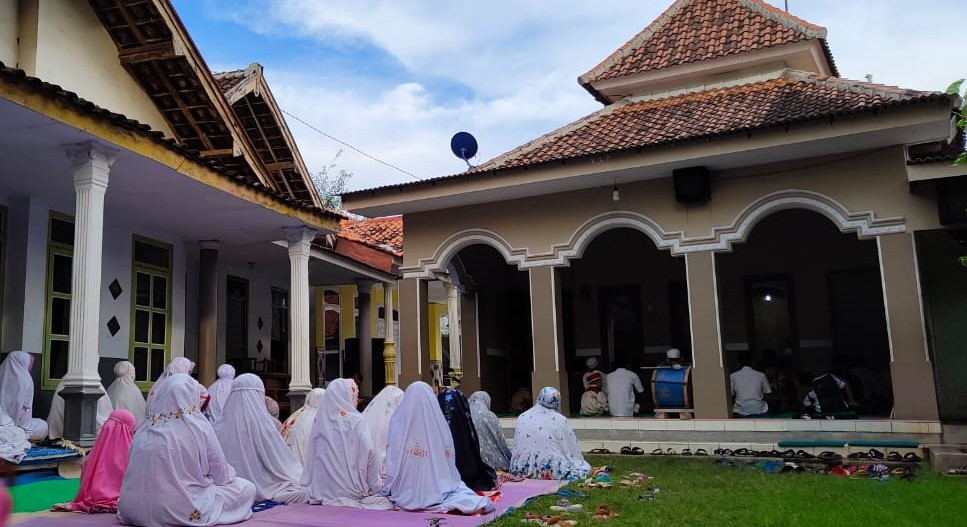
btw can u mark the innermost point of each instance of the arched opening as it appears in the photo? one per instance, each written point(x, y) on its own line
point(800, 298)
point(624, 301)
point(499, 293)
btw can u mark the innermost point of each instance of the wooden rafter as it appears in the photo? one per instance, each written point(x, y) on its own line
point(176, 97)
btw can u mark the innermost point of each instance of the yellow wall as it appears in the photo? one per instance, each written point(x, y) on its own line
point(319, 312)
point(436, 339)
point(347, 316)
point(64, 43)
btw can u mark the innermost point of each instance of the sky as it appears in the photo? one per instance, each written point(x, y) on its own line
point(396, 79)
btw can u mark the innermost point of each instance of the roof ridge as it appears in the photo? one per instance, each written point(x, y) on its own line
point(554, 134)
point(771, 12)
point(855, 86)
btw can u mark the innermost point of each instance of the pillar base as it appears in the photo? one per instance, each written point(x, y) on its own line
point(80, 414)
point(297, 398)
point(914, 391)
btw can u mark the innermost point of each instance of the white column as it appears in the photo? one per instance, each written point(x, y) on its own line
point(92, 166)
point(300, 240)
point(453, 314)
point(389, 343)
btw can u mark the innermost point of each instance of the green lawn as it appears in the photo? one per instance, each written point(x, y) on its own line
point(699, 492)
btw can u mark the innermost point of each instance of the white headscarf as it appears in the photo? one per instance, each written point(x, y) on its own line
point(124, 393)
point(421, 472)
point(219, 391)
point(176, 366)
point(13, 440)
point(296, 429)
point(178, 474)
point(493, 445)
point(17, 389)
point(55, 419)
point(254, 447)
point(377, 414)
point(545, 447)
point(341, 465)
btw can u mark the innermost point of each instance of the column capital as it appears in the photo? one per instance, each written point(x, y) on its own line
point(93, 154)
point(364, 286)
point(209, 244)
point(301, 235)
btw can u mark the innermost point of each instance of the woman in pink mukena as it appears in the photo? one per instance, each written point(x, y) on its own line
point(104, 467)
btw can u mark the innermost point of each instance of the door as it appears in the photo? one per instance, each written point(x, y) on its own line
point(236, 321)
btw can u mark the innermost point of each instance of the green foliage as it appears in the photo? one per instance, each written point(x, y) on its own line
point(955, 89)
point(330, 183)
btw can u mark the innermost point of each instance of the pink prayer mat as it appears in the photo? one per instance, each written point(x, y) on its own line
point(514, 495)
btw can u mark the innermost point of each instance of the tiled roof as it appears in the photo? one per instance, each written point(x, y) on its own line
point(20, 77)
point(695, 30)
point(631, 124)
point(385, 233)
point(229, 79)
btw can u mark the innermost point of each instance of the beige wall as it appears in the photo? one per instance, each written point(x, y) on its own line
point(8, 32)
point(874, 181)
point(64, 43)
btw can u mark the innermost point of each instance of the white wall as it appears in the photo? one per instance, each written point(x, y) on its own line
point(260, 284)
point(8, 32)
point(74, 51)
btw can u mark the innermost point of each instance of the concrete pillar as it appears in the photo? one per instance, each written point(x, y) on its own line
point(365, 332)
point(389, 344)
point(914, 388)
point(469, 343)
point(709, 388)
point(453, 315)
point(92, 167)
point(414, 331)
point(549, 369)
point(300, 241)
point(207, 311)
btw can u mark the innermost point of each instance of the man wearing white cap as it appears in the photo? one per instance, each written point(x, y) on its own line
point(674, 358)
point(594, 401)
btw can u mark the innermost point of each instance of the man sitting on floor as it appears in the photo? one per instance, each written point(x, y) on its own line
point(594, 402)
point(621, 386)
point(749, 388)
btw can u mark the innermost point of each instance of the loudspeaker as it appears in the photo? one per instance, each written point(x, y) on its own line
point(692, 185)
point(952, 200)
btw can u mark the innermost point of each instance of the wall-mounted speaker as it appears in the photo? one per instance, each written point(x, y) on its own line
point(692, 185)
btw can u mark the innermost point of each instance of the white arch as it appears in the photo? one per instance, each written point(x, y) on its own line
point(428, 267)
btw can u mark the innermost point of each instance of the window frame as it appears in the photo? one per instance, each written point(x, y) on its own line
point(152, 271)
point(54, 248)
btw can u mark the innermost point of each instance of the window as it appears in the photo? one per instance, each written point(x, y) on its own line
point(150, 309)
point(57, 315)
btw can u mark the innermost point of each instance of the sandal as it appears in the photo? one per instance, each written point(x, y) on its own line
point(687, 452)
point(875, 454)
point(626, 450)
point(830, 455)
point(637, 451)
point(911, 457)
point(670, 451)
point(804, 455)
point(718, 451)
point(657, 452)
point(604, 512)
point(565, 505)
point(858, 455)
point(701, 452)
point(599, 451)
point(894, 456)
point(646, 497)
point(743, 452)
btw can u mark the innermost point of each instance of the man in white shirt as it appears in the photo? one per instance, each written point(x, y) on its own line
point(594, 401)
point(749, 388)
point(621, 386)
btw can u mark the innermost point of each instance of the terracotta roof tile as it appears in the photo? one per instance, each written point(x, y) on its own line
point(695, 30)
point(229, 79)
point(630, 124)
point(383, 233)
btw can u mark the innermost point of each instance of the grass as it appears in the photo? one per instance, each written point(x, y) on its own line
point(699, 492)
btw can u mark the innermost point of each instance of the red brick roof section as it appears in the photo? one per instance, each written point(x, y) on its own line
point(696, 30)
point(631, 124)
point(383, 233)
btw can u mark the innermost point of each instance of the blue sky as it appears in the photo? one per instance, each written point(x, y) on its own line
point(398, 79)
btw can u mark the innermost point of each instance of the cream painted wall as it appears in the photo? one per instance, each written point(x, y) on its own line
point(74, 51)
point(8, 32)
point(873, 181)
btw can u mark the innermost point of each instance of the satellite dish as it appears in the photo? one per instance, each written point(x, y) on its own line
point(464, 146)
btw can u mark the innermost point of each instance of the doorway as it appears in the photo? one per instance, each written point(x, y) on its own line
point(619, 309)
point(236, 320)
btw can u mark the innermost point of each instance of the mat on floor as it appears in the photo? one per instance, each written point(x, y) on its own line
point(514, 495)
point(44, 454)
point(40, 495)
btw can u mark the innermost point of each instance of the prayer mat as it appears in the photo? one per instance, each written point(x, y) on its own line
point(41, 495)
point(514, 495)
point(43, 454)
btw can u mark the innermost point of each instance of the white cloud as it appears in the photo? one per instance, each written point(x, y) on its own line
point(517, 63)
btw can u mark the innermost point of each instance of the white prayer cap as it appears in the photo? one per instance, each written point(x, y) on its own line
point(673, 353)
point(591, 363)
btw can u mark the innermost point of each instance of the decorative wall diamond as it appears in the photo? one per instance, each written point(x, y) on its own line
point(115, 289)
point(258, 345)
point(258, 323)
point(113, 325)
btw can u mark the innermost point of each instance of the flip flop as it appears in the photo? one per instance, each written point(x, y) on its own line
point(637, 451)
point(830, 455)
point(657, 452)
point(670, 451)
point(911, 457)
point(687, 452)
point(626, 450)
point(858, 455)
point(701, 452)
point(894, 456)
point(804, 455)
point(875, 454)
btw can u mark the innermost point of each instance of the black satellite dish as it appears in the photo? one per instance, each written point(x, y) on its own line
point(464, 146)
